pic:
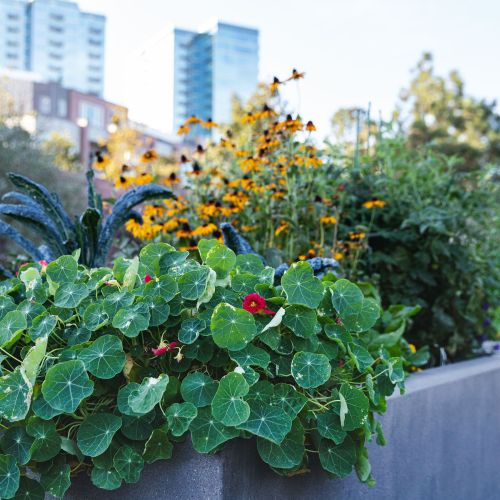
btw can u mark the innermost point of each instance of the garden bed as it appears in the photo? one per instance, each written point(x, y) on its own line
point(443, 440)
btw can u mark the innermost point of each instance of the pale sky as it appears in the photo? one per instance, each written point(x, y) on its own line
point(353, 51)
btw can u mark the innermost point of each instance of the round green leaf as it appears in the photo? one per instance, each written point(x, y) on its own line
point(159, 311)
point(244, 283)
point(289, 399)
point(165, 287)
point(228, 406)
point(137, 428)
point(105, 479)
point(104, 358)
point(9, 476)
point(12, 324)
point(69, 295)
point(207, 434)
point(47, 443)
point(158, 446)
point(249, 263)
point(132, 321)
point(29, 489)
point(149, 393)
point(17, 442)
point(56, 479)
point(347, 298)
point(251, 356)
point(329, 426)
point(180, 416)
point(122, 399)
point(15, 395)
point(192, 284)
point(43, 410)
point(75, 335)
point(95, 317)
point(363, 319)
point(66, 385)
point(338, 459)
point(266, 421)
point(310, 370)
point(6, 305)
point(128, 464)
point(116, 301)
point(289, 453)
point(42, 326)
point(232, 328)
point(221, 259)
point(301, 320)
point(96, 432)
point(150, 256)
point(63, 270)
point(357, 407)
point(301, 286)
point(190, 330)
point(199, 389)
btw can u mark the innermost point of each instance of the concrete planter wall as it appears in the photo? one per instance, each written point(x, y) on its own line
point(443, 443)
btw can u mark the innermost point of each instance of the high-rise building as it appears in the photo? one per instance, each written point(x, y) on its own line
point(55, 40)
point(182, 73)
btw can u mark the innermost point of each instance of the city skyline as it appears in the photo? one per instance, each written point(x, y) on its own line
point(352, 53)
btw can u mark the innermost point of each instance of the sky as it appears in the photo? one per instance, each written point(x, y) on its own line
point(353, 52)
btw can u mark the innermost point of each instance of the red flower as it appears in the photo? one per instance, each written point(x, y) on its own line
point(147, 278)
point(43, 263)
point(255, 303)
point(163, 348)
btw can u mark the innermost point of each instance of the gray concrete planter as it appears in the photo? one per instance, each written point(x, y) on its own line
point(443, 443)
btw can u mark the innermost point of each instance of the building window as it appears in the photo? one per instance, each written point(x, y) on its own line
point(94, 56)
point(93, 113)
point(12, 29)
point(56, 17)
point(95, 31)
point(62, 108)
point(45, 105)
point(11, 55)
point(94, 80)
point(55, 29)
point(12, 43)
point(55, 69)
point(12, 17)
point(55, 56)
point(94, 42)
point(55, 43)
point(96, 69)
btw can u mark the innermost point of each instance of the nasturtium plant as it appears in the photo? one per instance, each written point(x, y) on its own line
point(103, 370)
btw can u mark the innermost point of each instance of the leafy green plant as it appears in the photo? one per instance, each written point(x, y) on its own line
point(104, 369)
point(42, 212)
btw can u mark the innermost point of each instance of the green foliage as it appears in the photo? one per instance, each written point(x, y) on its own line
point(98, 383)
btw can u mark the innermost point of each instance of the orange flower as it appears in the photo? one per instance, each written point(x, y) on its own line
point(310, 127)
point(296, 75)
point(150, 155)
point(183, 129)
point(209, 123)
point(282, 227)
point(374, 203)
point(274, 86)
point(328, 219)
point(192, 120)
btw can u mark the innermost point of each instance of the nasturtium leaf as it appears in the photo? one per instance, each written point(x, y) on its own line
point(180, 416)
point(224, 295)
point(289, 399)
point(164, 287)
point(158, 446)
point(364, 319)
point(338, 459)
point(204, 246)
point(159, 311)
point(190, 330)
point(42, 409)
point(15, 395)
point(193, 283)
point(207, 434)
point(361, 357)
point(347, 298)
point(106, 479)
point(249, 263)
point(75, 335)
point(396, 370)
point(328, 348)
point(149, 393)
point(42, 326)
point(12, 324)
point(232, 328)
point(104, 358)
point(267, 421)
point(133, 320)
point(221, 259)
point(63, 270)
point(116, 301)
point(329, 426)
point(47, 442)
point(202, 350)
point(29, 489)
point(6, 305)
point(301, 286)
point(29, 310)
point(66, 384)
point(69, 295)
point(357, 407)
point(310, 370)
point(33, 359)
point(261, 391)
point(95, 317)
point(228, 406)
point(9, 476)
point(301, 320)
point(199, 389)
point(151, 256)
point(96, 432)
point(171, 259)
point(122, 399)
point(137, 428)
point(69, 446)
point(128, 464)
point(251, 356)
point(56, 478)
point(209, 289)
point(130, 276)
point(17, 442)
point(244, 283)
point(289, 453)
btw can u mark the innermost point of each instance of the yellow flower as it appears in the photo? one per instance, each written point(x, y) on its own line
point(192, 120)
point(143, 179)
point(150, 155)
point(102, 161)
point(183, 129)
point(274, 85)
point(249, 118)
point(282, 227)
point(248, 229)
point(356, 235)
point(374, 203)
point(338, 256)
point(310, 127)
point(209, 123)
point(205, 229)
point(296, 75)
point(328, 219)
point(412, 348)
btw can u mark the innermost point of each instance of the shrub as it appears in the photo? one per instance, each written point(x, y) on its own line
point(104, 369)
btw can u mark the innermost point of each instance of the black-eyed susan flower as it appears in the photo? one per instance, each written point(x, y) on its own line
point(171, 180)
point(208, 123)
point(183, 129)
point(274, 85)
point(249, 118)
point(101, 160)
point(310, 127)
point(148, 156)
point(328, 219)
point(374, 203)
point(193, 120)
point(185, 231)
point(281, 228)
point(357, 235)
point(204, 230)
point(296, 75)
